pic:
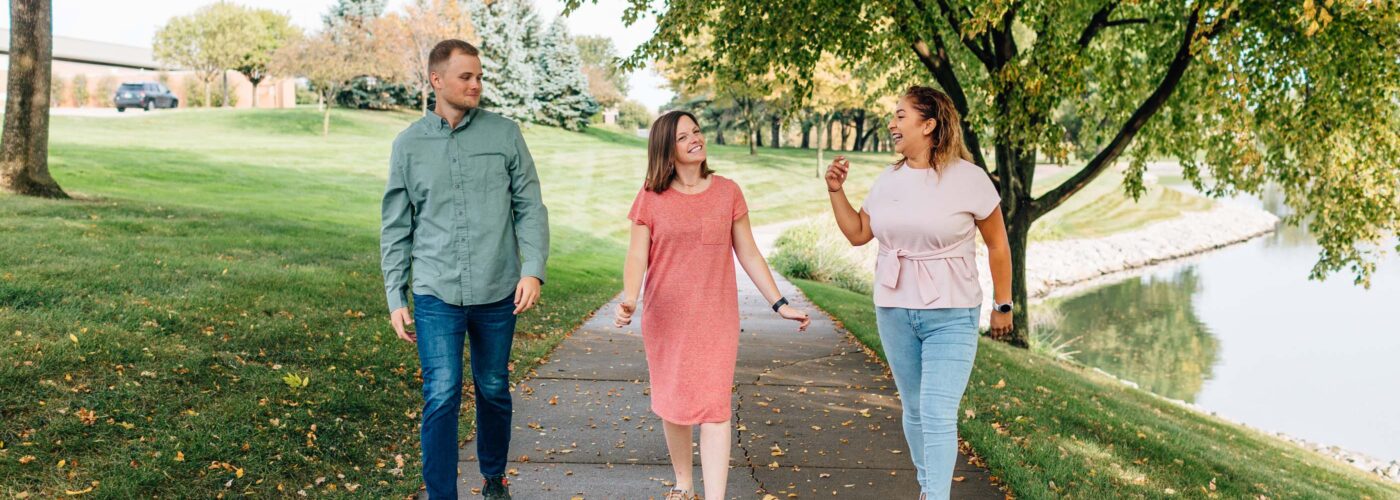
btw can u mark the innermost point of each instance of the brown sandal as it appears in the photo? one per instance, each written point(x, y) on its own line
point(676, 494)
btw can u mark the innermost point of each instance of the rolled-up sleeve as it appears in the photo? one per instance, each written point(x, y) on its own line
point(396, 233)
point(531, 218)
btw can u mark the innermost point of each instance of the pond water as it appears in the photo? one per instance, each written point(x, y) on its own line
point(1243, 332)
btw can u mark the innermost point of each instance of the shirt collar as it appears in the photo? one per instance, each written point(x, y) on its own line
point(438, 123)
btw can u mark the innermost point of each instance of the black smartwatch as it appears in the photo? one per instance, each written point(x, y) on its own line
point(782, 301)
point(1001, 308)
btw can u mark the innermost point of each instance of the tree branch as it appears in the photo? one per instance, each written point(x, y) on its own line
point(1149, 107)
point(978, 49)
point(1096, 23)
point(941, 68)
point(1121, 22)
point(1002, 40)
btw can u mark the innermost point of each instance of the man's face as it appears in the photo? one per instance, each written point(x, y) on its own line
point(457, 81)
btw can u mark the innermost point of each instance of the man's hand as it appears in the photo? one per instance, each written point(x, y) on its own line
point(400, 319)
point(527, 292)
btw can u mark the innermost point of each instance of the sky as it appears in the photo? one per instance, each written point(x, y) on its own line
point(134, 22)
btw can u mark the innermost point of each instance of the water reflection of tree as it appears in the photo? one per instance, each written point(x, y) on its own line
point(1144, 330)
point(1287, 235)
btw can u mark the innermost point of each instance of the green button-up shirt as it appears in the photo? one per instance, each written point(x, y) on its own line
point(462, 209)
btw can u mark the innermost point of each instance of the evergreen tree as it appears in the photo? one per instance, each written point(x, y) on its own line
point(562, 91)
point(508, 78)
point(352, 12)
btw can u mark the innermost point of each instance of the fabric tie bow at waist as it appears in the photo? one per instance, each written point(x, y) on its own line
point(891, 259)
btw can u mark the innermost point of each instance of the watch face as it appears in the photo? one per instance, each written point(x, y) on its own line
point(1005, 308)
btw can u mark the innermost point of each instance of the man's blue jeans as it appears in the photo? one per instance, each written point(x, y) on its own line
point(441, 330)
point(930, 353)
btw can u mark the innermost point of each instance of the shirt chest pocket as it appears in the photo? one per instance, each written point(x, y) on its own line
point(714, 230)
point(491, 175)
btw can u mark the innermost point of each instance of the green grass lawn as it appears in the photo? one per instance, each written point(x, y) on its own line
point(1048, 429)
point(1102, 208)
point(147, 327)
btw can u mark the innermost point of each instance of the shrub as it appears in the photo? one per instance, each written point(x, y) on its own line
point(80, 90)
point(57, 87)
point(816, 250)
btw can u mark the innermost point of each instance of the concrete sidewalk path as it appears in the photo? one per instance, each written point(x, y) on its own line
point(815, 416)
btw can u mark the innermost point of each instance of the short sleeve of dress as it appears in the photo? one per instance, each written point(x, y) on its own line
point(740, 207)
point(641, 208)
point(983, 194)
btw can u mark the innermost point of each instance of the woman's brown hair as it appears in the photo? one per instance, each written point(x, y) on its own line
point(947, 133)
point(661, 151)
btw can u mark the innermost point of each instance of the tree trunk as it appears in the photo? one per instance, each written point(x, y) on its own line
point(826, 129)
point(860, 131)
point(775, 131)
point(845, 134)
point(1016, 168)
point(208, 95)
point(753, 138)
point(823, 123)
point(423, 93)
point(806, 134)
point(255, 83)
point(24, 159)
point(326, 116)
point(225, 103)
point(1018, 230)
point(757, 136)
point(719, 132)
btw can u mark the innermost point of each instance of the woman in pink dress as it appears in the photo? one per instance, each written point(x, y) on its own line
point(688, 226)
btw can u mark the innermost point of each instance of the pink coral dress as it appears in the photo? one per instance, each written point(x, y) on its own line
point(690, 301)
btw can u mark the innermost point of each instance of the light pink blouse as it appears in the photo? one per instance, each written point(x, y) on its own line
point(924, 222)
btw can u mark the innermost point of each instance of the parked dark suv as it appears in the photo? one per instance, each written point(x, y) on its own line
point(145, 95)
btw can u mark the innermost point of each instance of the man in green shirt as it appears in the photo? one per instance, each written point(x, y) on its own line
point(462, 210)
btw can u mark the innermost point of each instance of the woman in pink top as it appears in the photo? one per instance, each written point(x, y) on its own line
point(926, 210)
point(688, 226)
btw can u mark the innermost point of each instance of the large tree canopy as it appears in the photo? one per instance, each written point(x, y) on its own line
point(1302, 94)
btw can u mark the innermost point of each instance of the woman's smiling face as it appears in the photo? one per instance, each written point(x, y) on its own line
point(909, 130)
point(690, 142)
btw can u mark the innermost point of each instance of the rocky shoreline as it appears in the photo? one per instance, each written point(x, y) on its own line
point(1063, 267)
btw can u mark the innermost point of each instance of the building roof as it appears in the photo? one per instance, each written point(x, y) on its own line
point(94, 52)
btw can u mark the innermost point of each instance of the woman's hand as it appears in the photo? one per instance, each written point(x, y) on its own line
point(795, 314)
point(622, 316)
point(836, 173)
point(1001, 324)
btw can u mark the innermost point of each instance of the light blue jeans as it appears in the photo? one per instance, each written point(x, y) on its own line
point(930, 353)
